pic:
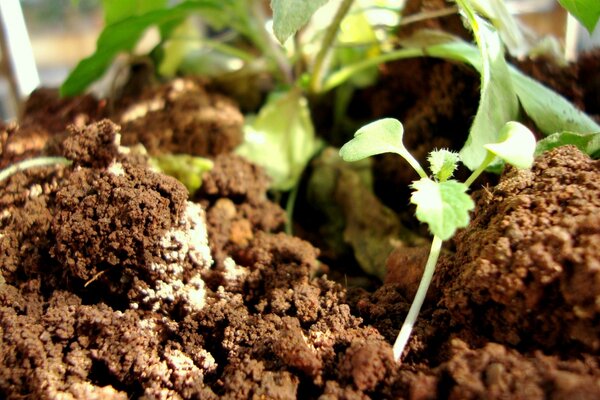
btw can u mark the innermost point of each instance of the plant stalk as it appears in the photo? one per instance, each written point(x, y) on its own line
point(415, 308)
point(32, 163)
point(270, 46)
point(318, 68)
point(484, 164)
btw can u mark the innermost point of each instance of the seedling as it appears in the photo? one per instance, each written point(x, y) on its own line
point(442, 202)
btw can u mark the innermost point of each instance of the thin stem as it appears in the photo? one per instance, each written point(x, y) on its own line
point(413, 313)
point(425, 15)
point(413, 162)
point(326, 45)
point(341, 75)
point(484, 164)
point(269, 45)
point(32, 163)
point(289, 209)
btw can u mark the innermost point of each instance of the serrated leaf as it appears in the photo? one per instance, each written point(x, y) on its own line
point(515, 146)
point(587, 143)
point(291, 15)
point(281, 139)
point(122, 36)
point(586, 11)
point(443, 163)
point(498, 102)
point(444, 206)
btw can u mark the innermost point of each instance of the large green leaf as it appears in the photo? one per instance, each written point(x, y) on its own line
point(281, 139)
point(498, 103)
point(586, 11)
point(587, 143)
point(118, 10)
point(122, 36)
point(444, 206)
point(291, 15)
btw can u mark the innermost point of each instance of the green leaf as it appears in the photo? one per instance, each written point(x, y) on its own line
point(281, 139)
point(118, 10)
point(291, 15)
point(498, 102)
point(184, 167)
point(586, 11)
point(515, 146)
point(183, 40)
point(443, 163)
point(549, 110)
point(123, 36)
point(381, 136)
point(444, 206)
point(513, 37)
point(587, 143)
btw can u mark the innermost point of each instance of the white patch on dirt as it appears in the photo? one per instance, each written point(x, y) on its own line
point(140, 110)
point(234, 274)
point(183, 250)
point(35, 191)
point(116, 168)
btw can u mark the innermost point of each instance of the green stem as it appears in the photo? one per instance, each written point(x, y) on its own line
point(32, 163)
point(269, 46)
point(318, 68)
point(413, 162)
point(415, 308)
point(340, 76)
point(484, 164)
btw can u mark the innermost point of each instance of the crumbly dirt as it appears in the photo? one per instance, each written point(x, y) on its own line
point(114, 285)
point(180, 117)
point(529, 262)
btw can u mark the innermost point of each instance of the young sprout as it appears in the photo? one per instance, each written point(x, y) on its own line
point(442, 202)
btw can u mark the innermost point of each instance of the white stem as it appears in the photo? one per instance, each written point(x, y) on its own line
point(32, 163)
point(413, 313)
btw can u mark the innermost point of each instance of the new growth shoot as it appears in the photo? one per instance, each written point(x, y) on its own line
point(442, 202)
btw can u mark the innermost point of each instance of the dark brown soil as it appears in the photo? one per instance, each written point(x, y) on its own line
point(180, 117)
point(114, 285)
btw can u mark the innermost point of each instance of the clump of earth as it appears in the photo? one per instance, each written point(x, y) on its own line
point(115, 283)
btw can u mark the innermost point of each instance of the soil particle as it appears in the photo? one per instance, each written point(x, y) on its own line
point(234, 195)
point(495, 372)
point(181, 117)
point(526, 268)
point(94, 146)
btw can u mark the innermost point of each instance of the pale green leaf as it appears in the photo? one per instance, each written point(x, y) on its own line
point(586, 11)
point(506, 23)
point(291, 15)
point(587, 143)
point(549, 110)
point(378, 137)
point(184, 39)
point(185, 168)
point(443, 163)
point(498, 102)
point(516, 144)
point(444, 206)
point(281, 139)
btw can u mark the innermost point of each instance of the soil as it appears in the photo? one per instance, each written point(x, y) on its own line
point(114, 284)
